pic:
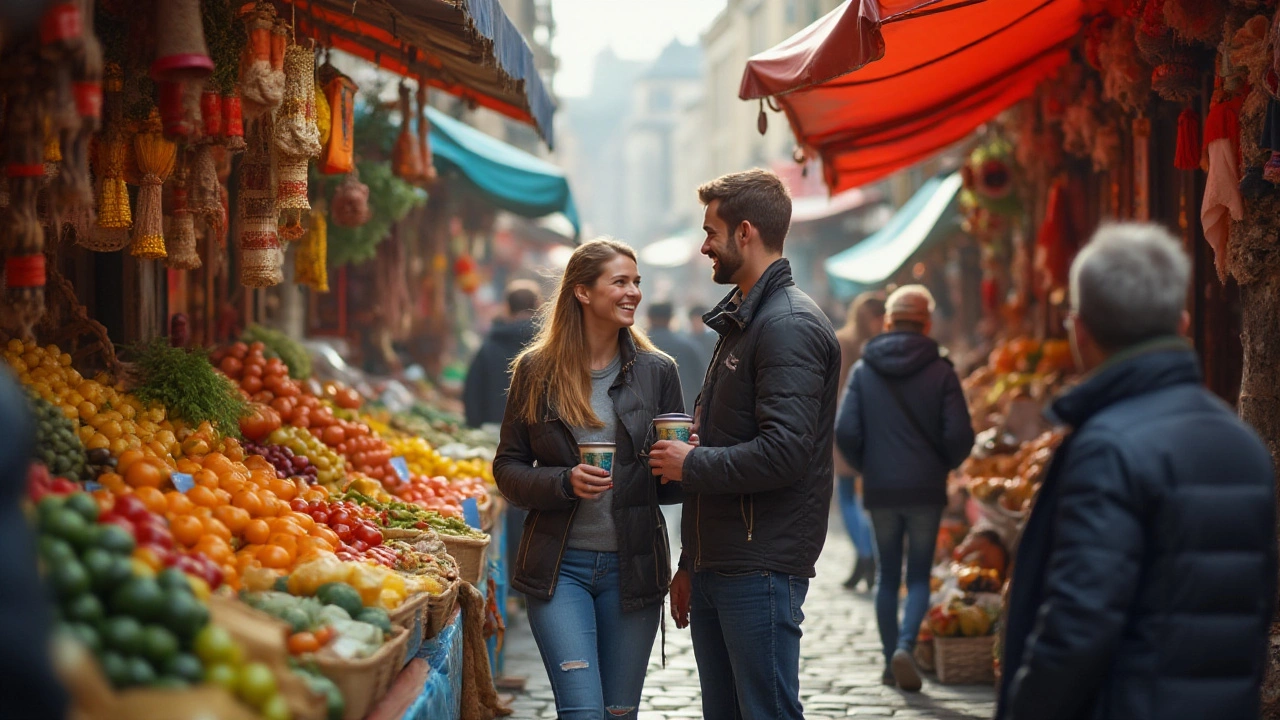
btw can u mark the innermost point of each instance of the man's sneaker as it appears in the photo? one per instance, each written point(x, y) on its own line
point(905, 672)
point(887, 678)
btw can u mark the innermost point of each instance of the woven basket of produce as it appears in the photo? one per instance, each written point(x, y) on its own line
point(412, 616)
point(469, 553)
point(440, 609)
point(365, 681)
point(964, 660)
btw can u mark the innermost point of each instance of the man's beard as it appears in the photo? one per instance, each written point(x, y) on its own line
point(729, 262)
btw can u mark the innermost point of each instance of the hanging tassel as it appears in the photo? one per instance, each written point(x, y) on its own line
point(429, 176)
point(24, 268)
point(156, 158)
point(233, 122)
point(115, 216)
point(181, 241)
point(261, 260)
point(297, 139)
point(310, 264)
point(261, 83)
point(1187, 156)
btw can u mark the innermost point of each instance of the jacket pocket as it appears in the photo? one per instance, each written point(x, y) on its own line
point(531, 524)
point(747, 503)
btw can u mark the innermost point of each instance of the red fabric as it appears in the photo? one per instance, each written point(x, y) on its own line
point(947, 67)
point(1187, 155)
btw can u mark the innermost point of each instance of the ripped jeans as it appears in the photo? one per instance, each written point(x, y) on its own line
point(595, 654)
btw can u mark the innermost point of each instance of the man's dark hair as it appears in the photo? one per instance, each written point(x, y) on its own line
point(698, 311)
point(523, 296)
point(661, 313)
point(756, 196)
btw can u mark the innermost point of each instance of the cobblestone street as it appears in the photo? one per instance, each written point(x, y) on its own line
point(839, 669)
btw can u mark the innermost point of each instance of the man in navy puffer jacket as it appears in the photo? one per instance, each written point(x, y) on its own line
point(904, 425)
point(1145, 579)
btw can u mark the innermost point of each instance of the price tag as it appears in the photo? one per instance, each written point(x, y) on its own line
point(91, 486)
point(183, 482)
point(471, 512)
point(401, 468)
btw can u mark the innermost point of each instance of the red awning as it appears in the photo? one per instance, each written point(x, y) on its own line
point(928, 73)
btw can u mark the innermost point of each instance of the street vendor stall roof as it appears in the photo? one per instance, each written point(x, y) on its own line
point(507, 176)
point(467, 48)
point(878, 85)
point(928, 216)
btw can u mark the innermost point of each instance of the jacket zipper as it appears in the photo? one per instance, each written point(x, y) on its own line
point(564, 541)
point(524, 545)
point(751, 522)
point(697, 504)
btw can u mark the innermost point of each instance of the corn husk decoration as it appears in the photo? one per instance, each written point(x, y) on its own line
point(309, 265)
point(297, 139)
point(324, 120)
point(428, 176)
point(261, 259)
point(24, 268)
point(406, 157)
point(181, 240)
point(156, 158)
point(115, 216)
point(261, 83)
point(351, 202)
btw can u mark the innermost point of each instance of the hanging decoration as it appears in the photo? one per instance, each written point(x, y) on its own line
point(181, 241)
point(1080, 122)
point(1187, 155)
point(466, 275)
point(1196, 21)
point(324, 120)
point(339, 151)
point(988, 199)
point(1222, 200)
point(24, 265)
point(261, 79)
point(351, 202)
point(297, 139)
point(156, 157)
point(406, 156)
point(1126, 78)
point(115, 216)
point(310, 263)
point(428, 172)
point(80, 74)
point(261, 259)
point(181, 53)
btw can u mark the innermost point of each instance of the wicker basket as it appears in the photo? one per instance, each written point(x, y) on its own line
point(364, 682)
point(924, 656)
point(963, 661)
point(440, 610)
point(469, 553)
point(409, 535)
point(411, 615)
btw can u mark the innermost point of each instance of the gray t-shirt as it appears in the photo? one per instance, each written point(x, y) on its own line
point(593, 527)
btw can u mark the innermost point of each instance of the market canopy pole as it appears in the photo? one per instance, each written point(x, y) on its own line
point(878, 85)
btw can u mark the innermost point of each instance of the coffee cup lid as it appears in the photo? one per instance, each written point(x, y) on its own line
point(676, 417)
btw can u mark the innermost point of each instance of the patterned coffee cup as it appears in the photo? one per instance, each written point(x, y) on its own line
point(598, 454)
point(674, 426)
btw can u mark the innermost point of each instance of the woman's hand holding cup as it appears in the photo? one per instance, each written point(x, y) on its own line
point(588, 481)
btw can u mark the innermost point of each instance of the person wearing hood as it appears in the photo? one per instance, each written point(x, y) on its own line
point(904, 425)
point(485, 392)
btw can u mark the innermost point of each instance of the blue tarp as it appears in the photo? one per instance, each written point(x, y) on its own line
point(927, 217)
point(507, 176)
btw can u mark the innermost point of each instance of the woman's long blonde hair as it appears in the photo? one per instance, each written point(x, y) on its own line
point(555, 369)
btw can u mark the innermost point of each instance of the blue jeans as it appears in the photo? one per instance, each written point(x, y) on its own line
point(918, 527)
point(746, 639)
point(595, 654)
point(855, 518)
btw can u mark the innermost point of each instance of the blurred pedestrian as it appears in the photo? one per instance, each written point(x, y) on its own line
point(758, 489)
point(593, 562)
point(485, 390)
point(704, 337)
point(688, 356)
point(1146, 576)
point(864, 321)
point(904, 425)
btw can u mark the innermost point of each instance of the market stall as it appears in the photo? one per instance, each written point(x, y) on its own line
point(225, 526)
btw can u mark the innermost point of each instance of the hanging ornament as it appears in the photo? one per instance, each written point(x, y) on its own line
point(181, 53)
point(310, 262)
point(115, 216)
point(261, 259)
point(351, 202)
point(323, 118)
point(1126, 78)
point(24, 267)
point(181, 241)
point(261, 82)
point(233, 122)
point(1196, 21)
point(297, 139)
point(156, 158)
point(1187, 155)
point(406, 156)
point(428, 176)
point(339, 152)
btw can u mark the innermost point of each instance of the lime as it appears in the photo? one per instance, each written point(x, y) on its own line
point(140, 597)
point(158, 645)
point(256, 684)
point(55, 551)
point(215, 645)
point(84, 504)
point(69, 579)
point(167, 682)
point(185, 666)
point(276, 708)
point(114, 667)
point(114, 539)
point(84, 634)
point(297, 618)
point(171, 579)
point(106, 571)
point(70, 526)
point(281, 584)
point(49, 506)
point(122, 634)
point(185, 616)
point(222, 675)
point(140, 672)
point(84, 608)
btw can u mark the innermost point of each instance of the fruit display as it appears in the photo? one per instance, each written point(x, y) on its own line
point(962, 617)
point(330, 466)
point(368, 453)
point(266, 381)
point(253, 683)
point(279, 345)
point(360, 536)
point(373, 585)
point(285, 461)
point(326, 621)
point(423, 459)
point(57, 444)
point(406, 516)
point(185, 382)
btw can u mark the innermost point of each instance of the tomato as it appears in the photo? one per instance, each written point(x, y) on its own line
point(298, 505)
point(343, 531)
point(154, 533)
point(369, 535)
point(333, 436)
point(303, 642)
point(261, 422)
point(348, 399)
point(232, 366)
point(131, 507)
point(252, 384)
point(324, 635)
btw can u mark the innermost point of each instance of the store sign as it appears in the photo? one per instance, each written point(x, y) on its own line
point(401, 468)
point(183, 482)
point(471, 512)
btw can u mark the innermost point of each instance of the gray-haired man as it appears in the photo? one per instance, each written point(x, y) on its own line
point(1146, 574)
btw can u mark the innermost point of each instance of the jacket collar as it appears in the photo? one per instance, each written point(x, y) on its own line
point(1146, 368)
point(627, 352)
point(739, 310)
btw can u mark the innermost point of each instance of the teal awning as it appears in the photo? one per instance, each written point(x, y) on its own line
point(507, 176)
point(928, 216)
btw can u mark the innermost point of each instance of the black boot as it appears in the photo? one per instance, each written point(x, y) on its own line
point(870, 576)
point(863, 569)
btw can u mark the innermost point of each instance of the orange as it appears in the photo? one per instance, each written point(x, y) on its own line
point(149, 558)
point(233, 483)
point(285, 526)
point(283, 489)
point(215, 527)
point(324, 533)
point(286, 541)
point(274, 557)
point(205, 478)
point(216, 549)
point(302, 520)
point(262, 478)
point(224, 497)
point(188, 466)
point(179, 503)
point(259, 463)
point(105, 499)
point(186, 529)
point(153, 499)
point(202, 512)
point(219, 463)
point(233, 517)
point(113, 482)
point(146, 473)
point(203, 496)
point(257, 531)
point(308, 547)
point(250, 501)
